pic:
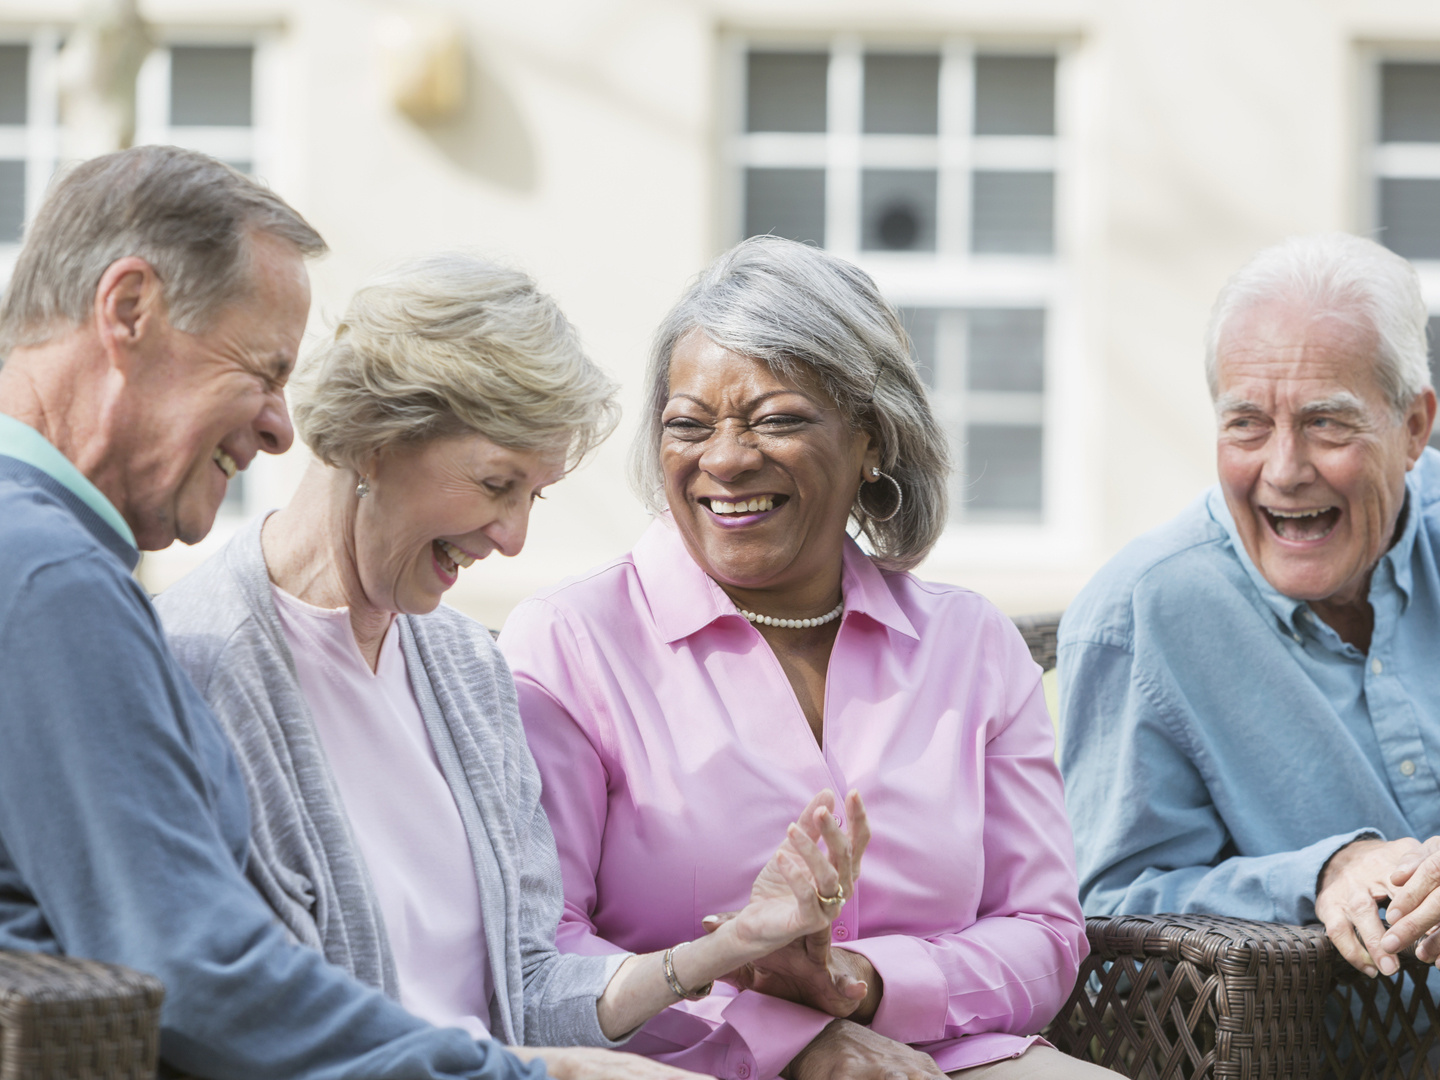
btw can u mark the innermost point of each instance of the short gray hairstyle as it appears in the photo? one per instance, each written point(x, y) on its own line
point(186, 214)
point(444, 345)
point(800, 310)
point(1337, 276)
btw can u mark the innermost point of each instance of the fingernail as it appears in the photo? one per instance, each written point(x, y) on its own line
point(1388, 965)
point(710, 918)
point(1370, 971)
point(1390, 943)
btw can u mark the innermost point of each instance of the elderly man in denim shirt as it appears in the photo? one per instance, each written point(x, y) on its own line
point(1250, 694)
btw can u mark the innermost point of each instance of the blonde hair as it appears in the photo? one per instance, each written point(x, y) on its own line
point(447, 344)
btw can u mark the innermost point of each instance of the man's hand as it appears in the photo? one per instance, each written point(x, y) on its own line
point(849, 1051)
point(1353, 882)
point(1414, 909)
point(589, 1063)
point(809, 971)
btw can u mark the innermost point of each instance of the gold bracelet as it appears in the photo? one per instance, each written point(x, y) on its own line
point(675, 987)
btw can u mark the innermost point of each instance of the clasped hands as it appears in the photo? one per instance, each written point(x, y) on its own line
point(1404, 876)
point(808, 970)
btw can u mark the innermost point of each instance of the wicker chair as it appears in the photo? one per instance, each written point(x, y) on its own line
point(1166, 997)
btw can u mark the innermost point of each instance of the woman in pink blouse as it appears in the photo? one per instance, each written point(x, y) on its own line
point(684, 700)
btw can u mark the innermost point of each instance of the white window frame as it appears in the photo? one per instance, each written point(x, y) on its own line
point(952, 276)
point(37, 141)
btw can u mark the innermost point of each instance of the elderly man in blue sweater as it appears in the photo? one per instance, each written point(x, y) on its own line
point(1250, 694)
point(150, 324)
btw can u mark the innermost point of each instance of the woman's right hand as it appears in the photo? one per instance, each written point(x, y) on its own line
point(849, 1051)
point(591, 1063)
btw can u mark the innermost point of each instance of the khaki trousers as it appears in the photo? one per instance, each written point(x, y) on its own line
point(1036, 1063)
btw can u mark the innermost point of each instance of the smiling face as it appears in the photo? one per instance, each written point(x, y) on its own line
point(1312, 459)
point(436, 507)
point(760, 474)
point(203, 405)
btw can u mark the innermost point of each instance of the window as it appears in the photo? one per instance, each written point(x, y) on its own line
point(1406, 188)
point(29, 132)
point(936, 168)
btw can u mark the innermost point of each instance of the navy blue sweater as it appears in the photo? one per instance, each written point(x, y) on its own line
point(124, 825)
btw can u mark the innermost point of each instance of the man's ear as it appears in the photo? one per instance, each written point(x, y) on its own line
point(1419, 421)
point(129, 308)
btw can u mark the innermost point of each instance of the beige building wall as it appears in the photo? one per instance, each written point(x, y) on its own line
point(590, 153)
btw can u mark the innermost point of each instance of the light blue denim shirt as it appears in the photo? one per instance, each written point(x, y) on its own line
point(1219, 742)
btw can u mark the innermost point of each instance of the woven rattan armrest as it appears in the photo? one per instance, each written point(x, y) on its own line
point(1169, 996)
point(63, 1017)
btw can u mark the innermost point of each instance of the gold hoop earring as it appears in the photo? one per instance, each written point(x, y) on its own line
point(899, 498)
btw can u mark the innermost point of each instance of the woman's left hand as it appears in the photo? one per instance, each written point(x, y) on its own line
point(805, 968)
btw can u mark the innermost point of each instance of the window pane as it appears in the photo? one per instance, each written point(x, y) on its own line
point(786, 91)
point(902, 94)
point(211, 85)
point(897, 209)
point(14, 83)
point(1014, 95)
point(1410, 217)
point(922, 324)
point(786, 202)
point(1006, 349)
point(1013, 212)
point(12, 201)
point(1002, 467)
point(1410, 102)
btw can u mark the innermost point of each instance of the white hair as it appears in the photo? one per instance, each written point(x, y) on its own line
point(1343, 277)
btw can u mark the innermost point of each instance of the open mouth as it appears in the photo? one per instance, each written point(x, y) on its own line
point(226, 463)
point(1303, 525)
point(758, 504)
point(449, 557)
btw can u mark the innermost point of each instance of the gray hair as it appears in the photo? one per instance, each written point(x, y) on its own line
point(1337, 276)
point(799, 310)
point(186, 214)
point(448, 344)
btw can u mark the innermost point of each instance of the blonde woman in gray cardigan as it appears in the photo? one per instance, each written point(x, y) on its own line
point(396, 818)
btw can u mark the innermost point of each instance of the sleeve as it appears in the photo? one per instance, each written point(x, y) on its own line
point(734, 1036)
point(1149, 838)
point(1013, 967)
point(116, 790)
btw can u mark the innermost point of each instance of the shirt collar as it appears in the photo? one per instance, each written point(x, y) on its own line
point(684, 599)
point(1399, 555)
point(22, 442)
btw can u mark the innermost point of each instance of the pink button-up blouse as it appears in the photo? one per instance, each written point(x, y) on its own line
point(674, 752)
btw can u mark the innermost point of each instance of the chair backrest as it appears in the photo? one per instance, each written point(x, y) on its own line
point(1039, 633)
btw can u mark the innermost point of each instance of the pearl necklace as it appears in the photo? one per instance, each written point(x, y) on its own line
point(795, 624)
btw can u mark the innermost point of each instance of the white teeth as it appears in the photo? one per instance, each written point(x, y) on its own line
point(458, 557)
point(226, 462)
point(744, 506)
point(1298, 513)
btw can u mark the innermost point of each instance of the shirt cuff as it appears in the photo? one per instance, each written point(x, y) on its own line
point(772, 1031)
point(916, 997)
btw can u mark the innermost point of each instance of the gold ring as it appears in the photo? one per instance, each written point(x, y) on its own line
point(838, 898)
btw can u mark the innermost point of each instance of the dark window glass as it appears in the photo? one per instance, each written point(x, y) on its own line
point(897, 208)
point(1014, 95)
point(12, 200)
point(1006, 349)
point(1410, 217)
point(1410, 102)
point(1013, 213)
point(786, 202)
point(211, 86)
point(14, 83)
point(786, 91)
point(902, 94)
point(1002, 469)
point(922, 324)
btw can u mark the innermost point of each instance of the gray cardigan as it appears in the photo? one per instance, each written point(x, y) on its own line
point(223, 629)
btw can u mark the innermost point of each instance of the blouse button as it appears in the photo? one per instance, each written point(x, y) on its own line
point(743, 1070)
point(842, 931)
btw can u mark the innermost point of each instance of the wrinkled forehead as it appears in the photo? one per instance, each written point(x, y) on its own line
point(1278, 352)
